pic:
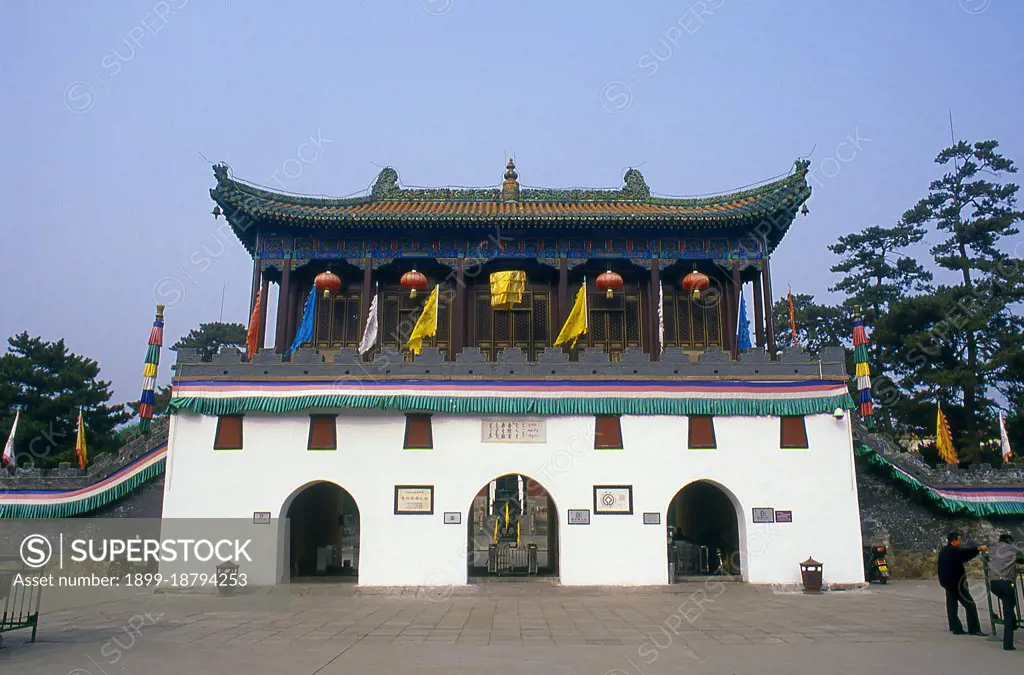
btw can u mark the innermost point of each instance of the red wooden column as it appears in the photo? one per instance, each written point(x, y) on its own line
point(563, 295)
point(261, 330)
point(766, 281)
point(734, 318)
point(257, 270)
point(284, 293)
point(366, 296)
point(655, 343)
point(758, 313)
point(459, 309)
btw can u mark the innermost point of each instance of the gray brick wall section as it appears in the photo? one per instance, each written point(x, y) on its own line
point(674, 364)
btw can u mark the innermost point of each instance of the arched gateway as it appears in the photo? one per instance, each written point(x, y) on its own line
point(704, 529)
point(321, 522)
point(513, 529)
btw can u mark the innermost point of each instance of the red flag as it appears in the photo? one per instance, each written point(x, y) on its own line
point(252, 334)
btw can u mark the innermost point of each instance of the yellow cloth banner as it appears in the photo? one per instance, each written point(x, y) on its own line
point(80, 453)
point(426, 325)
point(507, 289)
point(577, 323)
point(863, 369)
point(944, 440)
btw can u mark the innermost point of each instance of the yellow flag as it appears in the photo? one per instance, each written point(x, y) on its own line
point(426, 325)
point(507, 289)
point(944, 440)
point(577, 323)
point(80, 454)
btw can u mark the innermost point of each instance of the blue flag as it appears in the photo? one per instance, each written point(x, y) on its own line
point(743, 333)
point(305, 331)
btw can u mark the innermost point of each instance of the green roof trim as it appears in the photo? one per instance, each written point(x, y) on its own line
point(931, 496)
point(513, 406)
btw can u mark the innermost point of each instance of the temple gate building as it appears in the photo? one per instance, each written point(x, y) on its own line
point(652, 448)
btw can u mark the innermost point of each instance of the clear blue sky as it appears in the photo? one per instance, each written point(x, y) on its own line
point(108, 109)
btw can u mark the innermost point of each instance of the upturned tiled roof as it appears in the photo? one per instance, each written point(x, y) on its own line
point(632, 206)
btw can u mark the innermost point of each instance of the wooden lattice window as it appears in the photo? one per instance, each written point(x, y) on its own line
point(692, 323)
point(614, 323)
point(607, 433)
point(323, 432)
point(418, 432)
point(702, 432)
point(229, 433)
point(793, 432)
point(527, 325)
point(338, 321)
point(399, 317)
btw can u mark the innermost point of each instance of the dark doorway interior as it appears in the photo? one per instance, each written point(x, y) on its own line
point(704, 532)
point(323, 525)
point(513, 530)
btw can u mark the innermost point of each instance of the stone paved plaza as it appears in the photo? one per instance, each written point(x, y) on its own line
point(514, 628)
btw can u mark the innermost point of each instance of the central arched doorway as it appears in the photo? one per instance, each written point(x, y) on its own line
point(323, 533)
point(704, 532)
point(513, 530)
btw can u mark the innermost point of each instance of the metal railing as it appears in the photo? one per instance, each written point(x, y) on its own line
point(507, 559)
point(20, 600)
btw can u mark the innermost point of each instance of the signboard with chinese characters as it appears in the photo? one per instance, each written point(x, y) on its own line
point(261, 517)
point(414, 499)
point(513, 430)
point(579, 516)
point(763, 514)
point(613, 499)
point(783, 516)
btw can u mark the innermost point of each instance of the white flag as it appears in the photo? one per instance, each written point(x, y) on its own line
point(8, 456)
point(661, 316)
point(1004, 440)
point(370, 333)
point(522, 502)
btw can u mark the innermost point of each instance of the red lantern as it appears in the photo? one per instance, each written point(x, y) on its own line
point(695, 282)
point(327, 283)
point(414, 281)
point(609, 282)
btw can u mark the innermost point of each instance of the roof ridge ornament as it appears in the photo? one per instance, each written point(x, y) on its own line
point(510, 188)
point(386, 185)
point(634, 186)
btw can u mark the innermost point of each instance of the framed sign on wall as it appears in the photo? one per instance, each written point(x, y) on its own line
point(513, 430)
point(414, 499)
point(613, 499)
point(763, 514)
point(579, 516)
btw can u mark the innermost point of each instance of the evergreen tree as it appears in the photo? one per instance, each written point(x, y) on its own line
point(49, 384)
point(958, 342)
point(210, 337)
point(876, 274)
point(817, 325)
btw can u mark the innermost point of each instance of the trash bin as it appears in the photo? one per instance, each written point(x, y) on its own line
point(810, 571)
point(227, 578)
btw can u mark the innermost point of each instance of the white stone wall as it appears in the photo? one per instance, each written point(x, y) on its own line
point(817, 484)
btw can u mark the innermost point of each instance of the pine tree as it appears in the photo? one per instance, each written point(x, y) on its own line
point(49, 384)
point(877, 273)
point(210, 337)
point(817, 325)
point(959, 340)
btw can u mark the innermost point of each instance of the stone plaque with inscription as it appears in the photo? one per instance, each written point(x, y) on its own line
point(513, 430)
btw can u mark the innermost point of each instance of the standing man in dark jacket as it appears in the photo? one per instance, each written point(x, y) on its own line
point(1002, 571)
point(953, 578)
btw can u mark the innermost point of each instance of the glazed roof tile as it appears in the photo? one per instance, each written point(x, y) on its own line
point(389, 205)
